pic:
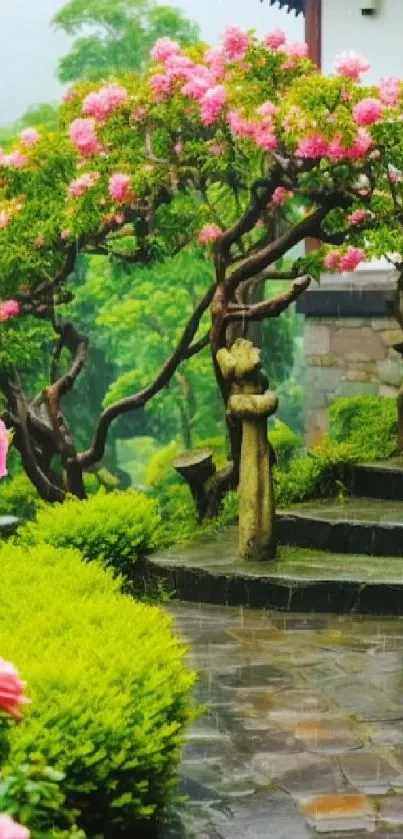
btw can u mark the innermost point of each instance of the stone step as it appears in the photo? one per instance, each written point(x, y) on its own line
point(208, 570)
point(371, 526)
point(377, 480)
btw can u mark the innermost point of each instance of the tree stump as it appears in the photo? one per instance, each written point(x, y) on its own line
point(197, 468)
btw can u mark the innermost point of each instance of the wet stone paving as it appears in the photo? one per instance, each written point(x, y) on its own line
point(302, 734)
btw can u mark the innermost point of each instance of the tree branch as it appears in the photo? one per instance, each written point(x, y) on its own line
point(137, 400)
point(268, 308)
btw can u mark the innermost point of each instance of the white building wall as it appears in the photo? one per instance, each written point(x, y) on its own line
point(378, 38)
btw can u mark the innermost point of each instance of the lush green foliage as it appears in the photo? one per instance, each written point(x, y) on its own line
point(285, 443)
point(320, 473)
point(18, 497)
point(115, 528)
point(367, 423)
point(109, 691)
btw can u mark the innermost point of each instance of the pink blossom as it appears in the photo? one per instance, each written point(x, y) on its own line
point(15, 160)
point(351, 64)
point(9, 309)
point(235, 43)
point(163, 49)
point(294, 51)
point(9, 829)
point(119, 218)
point(84, 137)
point(336, 150)
point(4, 446)
point(216, 148)
point(275, 39)
point(209, 233)
point(161, 86)
point(178, 148)
point(267, 110)
point(350, 260)
point(212, 104)
point(265, 138)
point(358, 217)
point(29, 137)
point(241, 126)
point(65, 234)
point(179, 67)
point(280, 196)
point(215, 59)
point(4, 218)
point(332, 260)
point(390, 91)
point(361, 145)
point(138, 116)
point(80, 185)
point(367, 111)
point(311, 147)
point(103, 102)
point(198, 82)
point(120, 188)
point(11, 688)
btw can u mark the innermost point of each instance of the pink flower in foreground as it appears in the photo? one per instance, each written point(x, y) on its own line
point(209, 233)
point(390, 91)
point(235, 43)
point(265, 138)
point(179, 67)
point(29, 137)
point(80, 185)
point(9, 829)
point(161, 86)
point(351, 64)
point(280, 195)
point(361, 145)
point(11, 687)
point(367, 111)
point(212, 104)
point(199, 81)
point(358, 217)
point(4, 218)
point(178, 148)
point(4, 446)
point(84, 137)
point(120, 188)
point(101, 103)
point(311, 147)
point(332, 260)
point(275, 39)
point(215, 59)
point(163, 49)
point(9, 309)
point(350, 260)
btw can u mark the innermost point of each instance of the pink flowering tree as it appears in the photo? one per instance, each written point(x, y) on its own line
point(209, 147)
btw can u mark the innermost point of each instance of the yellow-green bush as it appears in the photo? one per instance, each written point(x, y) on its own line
point(320, 473)
point(116, 528)
point(367, 423)
point(18, 497)
point(285, 442)
point(110, 694)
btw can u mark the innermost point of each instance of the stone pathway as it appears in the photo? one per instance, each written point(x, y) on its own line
point(303, 730)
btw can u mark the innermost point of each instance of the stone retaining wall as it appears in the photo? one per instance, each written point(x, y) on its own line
point(346, 356)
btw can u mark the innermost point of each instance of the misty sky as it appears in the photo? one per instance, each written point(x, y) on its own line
point(30, 48)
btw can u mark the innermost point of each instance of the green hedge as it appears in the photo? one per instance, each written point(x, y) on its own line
point(117, 527)
point(367, 423)
point(18, 497)
point(110, 694)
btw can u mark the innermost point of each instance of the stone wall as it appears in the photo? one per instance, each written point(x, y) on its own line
point(347, 355)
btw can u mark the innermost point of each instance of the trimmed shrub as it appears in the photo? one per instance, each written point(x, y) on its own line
point(367, 423)
point(117, 527)
point(110, 694)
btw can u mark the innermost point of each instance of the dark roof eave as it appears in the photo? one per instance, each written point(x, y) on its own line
point(296, 6)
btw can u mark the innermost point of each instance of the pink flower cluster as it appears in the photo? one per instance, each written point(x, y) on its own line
point(84, 136)
point(209, 233)
point(241, 126)
point(368, 111)
point(215, 60)
point(11, 687)
point(9, 829)
point(358, 217)
point(80, 185)
point(9, 309)
point(275, 39)
point(315, 146)
point(163, 49)
point(212, 104)
point(294, 51)
point(120, 188)
point(29, 137)
point(235, 44)
point(262, 132)
point(161, 86)
point(15, 160)
point(101, 103)
point(351, 64)
point(348, 261)
point(280, 196)
point(390, 91)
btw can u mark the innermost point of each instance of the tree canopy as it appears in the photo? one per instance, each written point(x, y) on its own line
point(235, 153)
